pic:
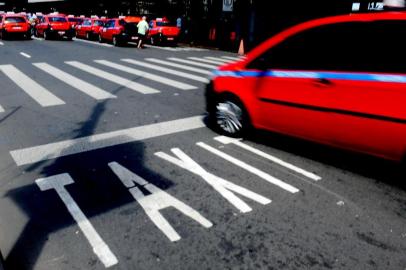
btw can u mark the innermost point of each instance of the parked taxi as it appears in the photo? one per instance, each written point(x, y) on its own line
point(162, 30)
point(54, 26)
point(90, 28)
point(14, 25)
point(339, 81)
point(119, 31)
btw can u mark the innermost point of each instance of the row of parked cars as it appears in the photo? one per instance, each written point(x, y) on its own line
point(118, 31)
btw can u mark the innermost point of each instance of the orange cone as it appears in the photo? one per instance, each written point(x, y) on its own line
point(241, 48)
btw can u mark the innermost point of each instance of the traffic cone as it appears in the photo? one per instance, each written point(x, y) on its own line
point(241, 48)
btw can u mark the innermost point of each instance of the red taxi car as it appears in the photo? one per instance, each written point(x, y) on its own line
point(74, 20)
point(119, 31)
point(52, 26)
point(90, 28)
point(339, 81)
point(163, 31)
point(14, 24)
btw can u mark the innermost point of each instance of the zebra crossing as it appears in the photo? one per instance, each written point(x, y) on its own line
point(171, 70)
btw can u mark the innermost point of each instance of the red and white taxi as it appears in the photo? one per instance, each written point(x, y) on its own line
point(14, 24)
point(90, 28)
point(162, 30)
point(339, 81)
point(54, 25)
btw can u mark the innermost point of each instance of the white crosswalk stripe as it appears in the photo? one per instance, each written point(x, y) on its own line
point(143, 89)
point(190, 62)
point(152, 77)
point(232, 58)
point(32, 88)
point(167, 63)
point(206, 61)
point(167, 70)
point(217, 59)
point(1, 109)
point(175, 49)
point(77, 83)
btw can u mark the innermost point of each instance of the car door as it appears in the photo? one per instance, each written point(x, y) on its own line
point(111, 29)
point(104, 30)
point(292, 95)
point(41, 25)
point(370, 97)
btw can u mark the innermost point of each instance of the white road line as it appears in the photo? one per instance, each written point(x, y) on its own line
point(249, 168)
point(25, 55)
point(237, 142)
point(152, 77)
point(84, 87)
point(167, 70)
point(1, 43)
point(167, 63)
point(193, 63)
point(32, 88)
point(143, 89)
point(69, 147)
point(161, 48)
point(1, 109)
point(218, 59)
point(233, 58)
point(58, 183)
point(94, 43)
point(206, 61)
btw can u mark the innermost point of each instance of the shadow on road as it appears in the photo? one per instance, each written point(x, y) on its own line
point(96, 190)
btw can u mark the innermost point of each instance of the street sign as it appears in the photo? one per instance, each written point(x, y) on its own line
point(228, 5)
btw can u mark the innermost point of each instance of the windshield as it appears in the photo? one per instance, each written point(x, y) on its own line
point(165, 24)
point(98, 23)
point(57, 19)
point(14, 19)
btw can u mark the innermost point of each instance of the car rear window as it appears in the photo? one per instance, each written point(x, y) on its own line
point(57, 19)
point(75, 20)
point(165, 24)
point(98, 23)
point(14, 19)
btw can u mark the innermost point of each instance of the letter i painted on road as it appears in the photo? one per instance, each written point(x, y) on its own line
point(222, 186)
point(58, 183)
point(157, 200)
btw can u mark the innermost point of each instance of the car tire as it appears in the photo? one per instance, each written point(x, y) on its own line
point(46, 35)
point(88, 37)
point(3, 35)
point(229, 116)
point(152, 41)
point(116, 42)
point(100, 39)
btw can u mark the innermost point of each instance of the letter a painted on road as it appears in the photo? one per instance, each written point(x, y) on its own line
point(157, 200)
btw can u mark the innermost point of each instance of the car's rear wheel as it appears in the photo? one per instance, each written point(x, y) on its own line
point(46, 35)
point(230, 117)
point(116, 42)
point(100, 39)
point(88, 37)
point(152, 41)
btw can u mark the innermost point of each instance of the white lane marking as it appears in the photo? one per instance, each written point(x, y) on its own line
point(32, 88)
point(58, 183)
point(25, 55)
point(218, 59)
point(84, 87)
point(85, 144)
point(167, 63)
point(218, 63)
point(143, 89)
point(193, 63)
point(152, 77)
point(232, 58)
point(93, 43)
point(222, 186)
point(161, 48)
point(1, 43)
point(155, 201)
point(167, 70)
point(237, 142)
point(1, 109)
point(249, 168)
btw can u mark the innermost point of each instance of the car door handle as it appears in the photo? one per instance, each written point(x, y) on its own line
point(323, 82)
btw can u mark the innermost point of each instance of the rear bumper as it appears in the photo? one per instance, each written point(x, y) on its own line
point(165, 39)
point(62, 33)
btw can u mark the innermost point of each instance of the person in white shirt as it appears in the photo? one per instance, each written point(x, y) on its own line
point(142, 31)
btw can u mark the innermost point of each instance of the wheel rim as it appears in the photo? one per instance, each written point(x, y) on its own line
point(229, 117)
point(114, 41)
point(87, 36)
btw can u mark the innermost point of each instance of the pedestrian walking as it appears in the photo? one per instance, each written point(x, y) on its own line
point(142, 31)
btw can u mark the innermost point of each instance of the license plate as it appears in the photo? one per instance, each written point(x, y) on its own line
point(170, 38)
point(17, 27)
point(134, 38)
point(61, 32)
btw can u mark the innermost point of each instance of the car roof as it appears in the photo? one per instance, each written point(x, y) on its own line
point(357, 17)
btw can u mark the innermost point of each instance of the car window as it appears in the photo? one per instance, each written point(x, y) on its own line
point(14, 19)
point(109, 24)
point(359, 46)
point(98, 23)
point(122, 22)
point(57, 19)
point(151, 24)
point(87, 23)
point(166, 23)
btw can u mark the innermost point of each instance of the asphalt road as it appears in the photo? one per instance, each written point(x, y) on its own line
point(106, 162)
